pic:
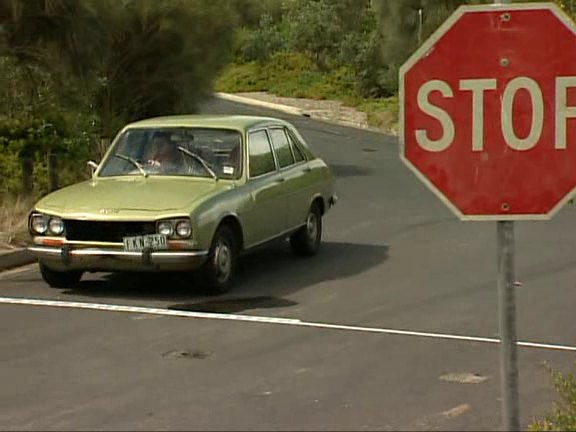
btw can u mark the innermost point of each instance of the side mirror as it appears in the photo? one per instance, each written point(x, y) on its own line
point(93, 167)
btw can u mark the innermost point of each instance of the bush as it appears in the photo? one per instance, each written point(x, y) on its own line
point(340, 38)
point(26, 142)
point(288, 74)
point(315, 29)
point(260, 44)
point(563, 415)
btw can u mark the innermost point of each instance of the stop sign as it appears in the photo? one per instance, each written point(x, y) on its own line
point(488, 111)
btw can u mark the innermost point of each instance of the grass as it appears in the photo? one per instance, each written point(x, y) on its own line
point(295, 75)
point(382, 113)
point(562, 417)
point(14, 220)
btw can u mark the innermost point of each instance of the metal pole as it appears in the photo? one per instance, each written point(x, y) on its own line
point(507, 321)
point(420, 24)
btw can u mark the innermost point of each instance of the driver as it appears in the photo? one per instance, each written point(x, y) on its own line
point(163, 153)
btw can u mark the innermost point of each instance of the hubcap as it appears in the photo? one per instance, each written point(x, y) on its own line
point(312, 227)
point(223, 261)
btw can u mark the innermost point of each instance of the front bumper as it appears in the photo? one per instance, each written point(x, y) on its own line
point(113, 259)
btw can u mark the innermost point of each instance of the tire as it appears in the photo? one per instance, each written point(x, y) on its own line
point(59, 279)
point(306, 241)
point(220, 268)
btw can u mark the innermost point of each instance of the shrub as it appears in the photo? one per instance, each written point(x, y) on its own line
point(260, 44)
point(563, 415)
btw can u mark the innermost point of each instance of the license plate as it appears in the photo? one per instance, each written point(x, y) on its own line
point(151, 241)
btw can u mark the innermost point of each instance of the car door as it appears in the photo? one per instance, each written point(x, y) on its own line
point(266, 216)
point(294, 171)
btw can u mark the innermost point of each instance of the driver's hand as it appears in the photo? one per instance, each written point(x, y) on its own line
point(153, 163)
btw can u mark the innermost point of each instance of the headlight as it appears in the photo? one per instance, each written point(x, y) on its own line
point(56, 226)
point(166, 228)
point(183, 229)
point(39, 224)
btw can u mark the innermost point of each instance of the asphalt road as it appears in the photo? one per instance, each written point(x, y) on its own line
point(394, 258)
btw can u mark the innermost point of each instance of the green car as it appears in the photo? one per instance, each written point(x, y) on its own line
point(184, 193)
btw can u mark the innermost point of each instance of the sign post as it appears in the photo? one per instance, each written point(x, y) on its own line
point(507, 322)
point(507, 313)
point(488, 123)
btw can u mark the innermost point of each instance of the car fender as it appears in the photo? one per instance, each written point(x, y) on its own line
point(207, 217)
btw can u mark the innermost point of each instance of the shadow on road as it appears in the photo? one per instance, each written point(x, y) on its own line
point(265, 276)
point(234, 305)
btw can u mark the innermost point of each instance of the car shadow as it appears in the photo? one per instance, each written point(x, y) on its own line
point(265, 277)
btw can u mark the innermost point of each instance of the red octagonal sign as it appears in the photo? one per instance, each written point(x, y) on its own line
point(488, 111)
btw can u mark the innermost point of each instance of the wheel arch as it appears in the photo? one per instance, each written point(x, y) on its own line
point(232, 221)
point(319, 200)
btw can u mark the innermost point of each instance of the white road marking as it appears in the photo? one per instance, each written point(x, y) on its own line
point(267, 320)
point(143, 310)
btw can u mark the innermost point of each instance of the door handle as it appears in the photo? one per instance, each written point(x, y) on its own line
point(280, 180)
point(307, 170)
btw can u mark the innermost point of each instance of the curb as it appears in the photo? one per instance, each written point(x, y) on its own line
point(248, 101)
point(15, 258)
point(299, 112)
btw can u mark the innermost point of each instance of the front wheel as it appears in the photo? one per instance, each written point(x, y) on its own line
point(59, 279)
point(306, 241)
point(220, 269)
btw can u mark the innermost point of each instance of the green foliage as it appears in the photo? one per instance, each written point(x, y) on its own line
point(91, 66)
point(295, 75)
point(563, 415)
point(381, 112)
point(569, 6)
point(259, 44)
point(250, 12)
point(30, 138)
point(159, 57)
point(404, 25)
point(336, 35)
point(314, 28)
point(288, 74)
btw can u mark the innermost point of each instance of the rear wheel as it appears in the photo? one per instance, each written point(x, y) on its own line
point(59, 279)
point(220, 269)
point(306, 241)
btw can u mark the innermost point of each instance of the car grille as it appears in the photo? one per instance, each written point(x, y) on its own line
point(106, 231)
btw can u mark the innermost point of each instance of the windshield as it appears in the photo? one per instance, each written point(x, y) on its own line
point(193, 152)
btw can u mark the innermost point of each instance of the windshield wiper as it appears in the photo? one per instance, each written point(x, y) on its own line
point(133, 162)
point(199, 159)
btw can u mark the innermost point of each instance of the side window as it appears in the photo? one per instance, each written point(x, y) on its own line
point(298, 154)
point(281, 147)
point(261, 158)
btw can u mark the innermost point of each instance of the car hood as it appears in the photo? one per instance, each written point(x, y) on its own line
point(117, 197)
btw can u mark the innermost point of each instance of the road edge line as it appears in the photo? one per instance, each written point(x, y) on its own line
point(19, 301)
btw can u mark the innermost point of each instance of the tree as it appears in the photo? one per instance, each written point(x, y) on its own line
point(111, 61)
point(48, 40)
point(404, 24)
point(159, 57)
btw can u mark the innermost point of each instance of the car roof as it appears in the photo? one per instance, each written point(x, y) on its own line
point(237, 122)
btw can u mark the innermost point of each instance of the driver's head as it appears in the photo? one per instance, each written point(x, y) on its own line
point(161, 145)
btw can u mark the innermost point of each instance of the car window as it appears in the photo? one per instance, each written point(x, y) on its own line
point(281, 147)
point(298, 154)
point(261, 157)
